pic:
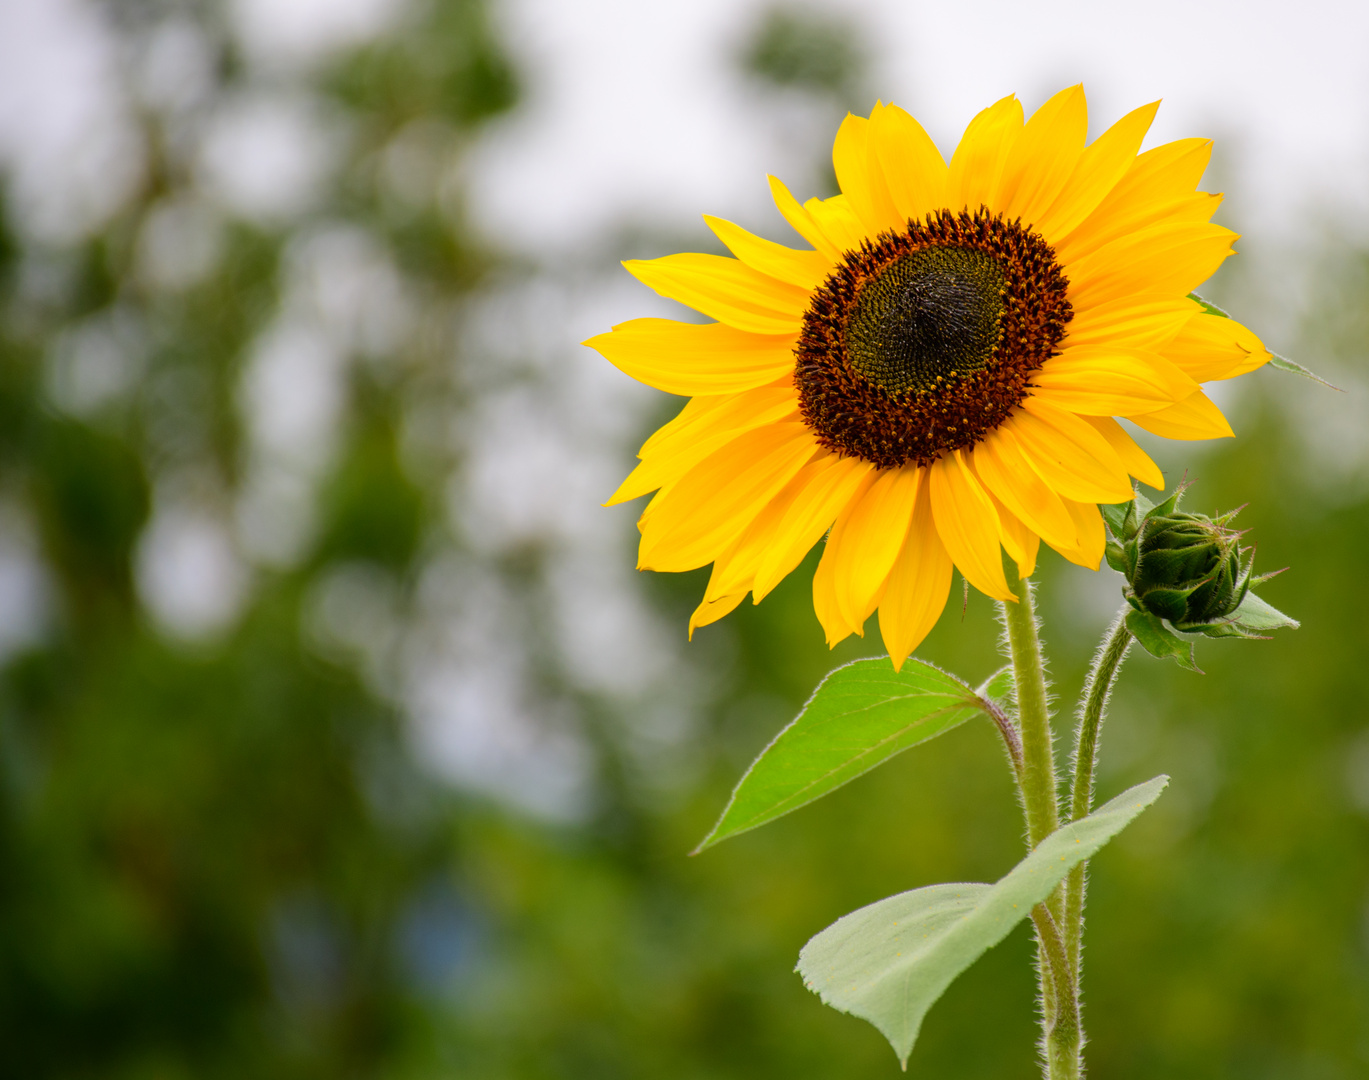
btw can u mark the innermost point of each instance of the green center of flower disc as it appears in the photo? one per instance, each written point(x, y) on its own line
point(928, 317)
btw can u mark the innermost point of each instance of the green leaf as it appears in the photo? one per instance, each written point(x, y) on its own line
point(889, 962)
point(1280, 362)
point(860, 716)
point(1158, 640)
point(1256, 614)
point(999, 686)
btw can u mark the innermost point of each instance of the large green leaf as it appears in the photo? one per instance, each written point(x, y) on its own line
point(889, 962)
point(860, 716)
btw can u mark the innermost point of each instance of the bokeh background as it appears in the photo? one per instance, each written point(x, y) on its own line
point(338, 736)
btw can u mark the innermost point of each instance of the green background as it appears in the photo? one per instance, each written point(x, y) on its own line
point(224, 860)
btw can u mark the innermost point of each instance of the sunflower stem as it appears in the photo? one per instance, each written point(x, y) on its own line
point(1061, 1033)
point(1039, 782)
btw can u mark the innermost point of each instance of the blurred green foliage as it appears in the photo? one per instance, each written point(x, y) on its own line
point(223, 861)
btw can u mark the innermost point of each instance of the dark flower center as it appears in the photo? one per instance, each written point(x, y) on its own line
point(927, 317)
point(923, 342)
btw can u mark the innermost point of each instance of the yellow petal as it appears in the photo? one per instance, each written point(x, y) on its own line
point(801, 220)
point(829, 484)
point(835, 626)
point(688, 444)
point(725, 289)
point(1045, 156)
point(1109, 380)
point(1193, 418)
point(838, 222)
point(804, 269)
point(912, 165)
point(1068, 454)
point(735, 569)
point(918, 585)
point(967, 524)
point(977, 164)
point(1158, 187)
point(1019, 542)
point(1143, 321)
point(1167, 258)
point(872, 536)
point(861, 179)
point(1210, 347)
point(1088, 523)
point(726, 418)
point(1136, 460)
point(701, 514)
point(692, 412)
point(1101, 167)
point(710, 611)
point(1006, 472)
point(691, 359)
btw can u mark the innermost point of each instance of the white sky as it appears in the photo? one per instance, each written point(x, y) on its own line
point(632, 106)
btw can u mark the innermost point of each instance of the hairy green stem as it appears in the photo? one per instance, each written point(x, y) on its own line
point(1040, 802)
point(1039, 783)
point(1062, 1037)
point(1106, 662)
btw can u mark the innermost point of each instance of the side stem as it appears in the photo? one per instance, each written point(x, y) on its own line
point(1062, 1037)
point(1097, 688)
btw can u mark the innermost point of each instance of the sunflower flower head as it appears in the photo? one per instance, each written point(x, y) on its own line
point(936, 379)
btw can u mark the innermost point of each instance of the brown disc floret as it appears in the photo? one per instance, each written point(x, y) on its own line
point(924, 341)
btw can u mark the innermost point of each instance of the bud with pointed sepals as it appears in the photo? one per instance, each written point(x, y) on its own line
point(1188, 571)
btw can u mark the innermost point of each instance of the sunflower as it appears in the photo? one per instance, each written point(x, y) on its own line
point(940, 375)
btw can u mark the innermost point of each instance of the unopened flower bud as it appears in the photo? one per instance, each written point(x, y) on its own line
point(1186, 568)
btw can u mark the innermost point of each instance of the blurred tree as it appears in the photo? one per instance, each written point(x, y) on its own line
point(807, 49)
point(210, 852)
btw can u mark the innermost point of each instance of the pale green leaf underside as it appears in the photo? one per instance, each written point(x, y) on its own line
point(860, 716)
point(889, 962)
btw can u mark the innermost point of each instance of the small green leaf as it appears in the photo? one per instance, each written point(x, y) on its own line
point(889, 962)
point(1280, 362)
point(1158, 640)
point(999, 686)
point(1256, 614)
point(860, 716)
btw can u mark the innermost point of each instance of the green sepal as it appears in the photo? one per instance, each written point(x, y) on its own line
point(1116, 556)
point(1275, 360)
point(1160, 641)
point(889, 962)
point(1285, 364)
point(1168, 603)
point(860, 716)
point(1120, 518)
